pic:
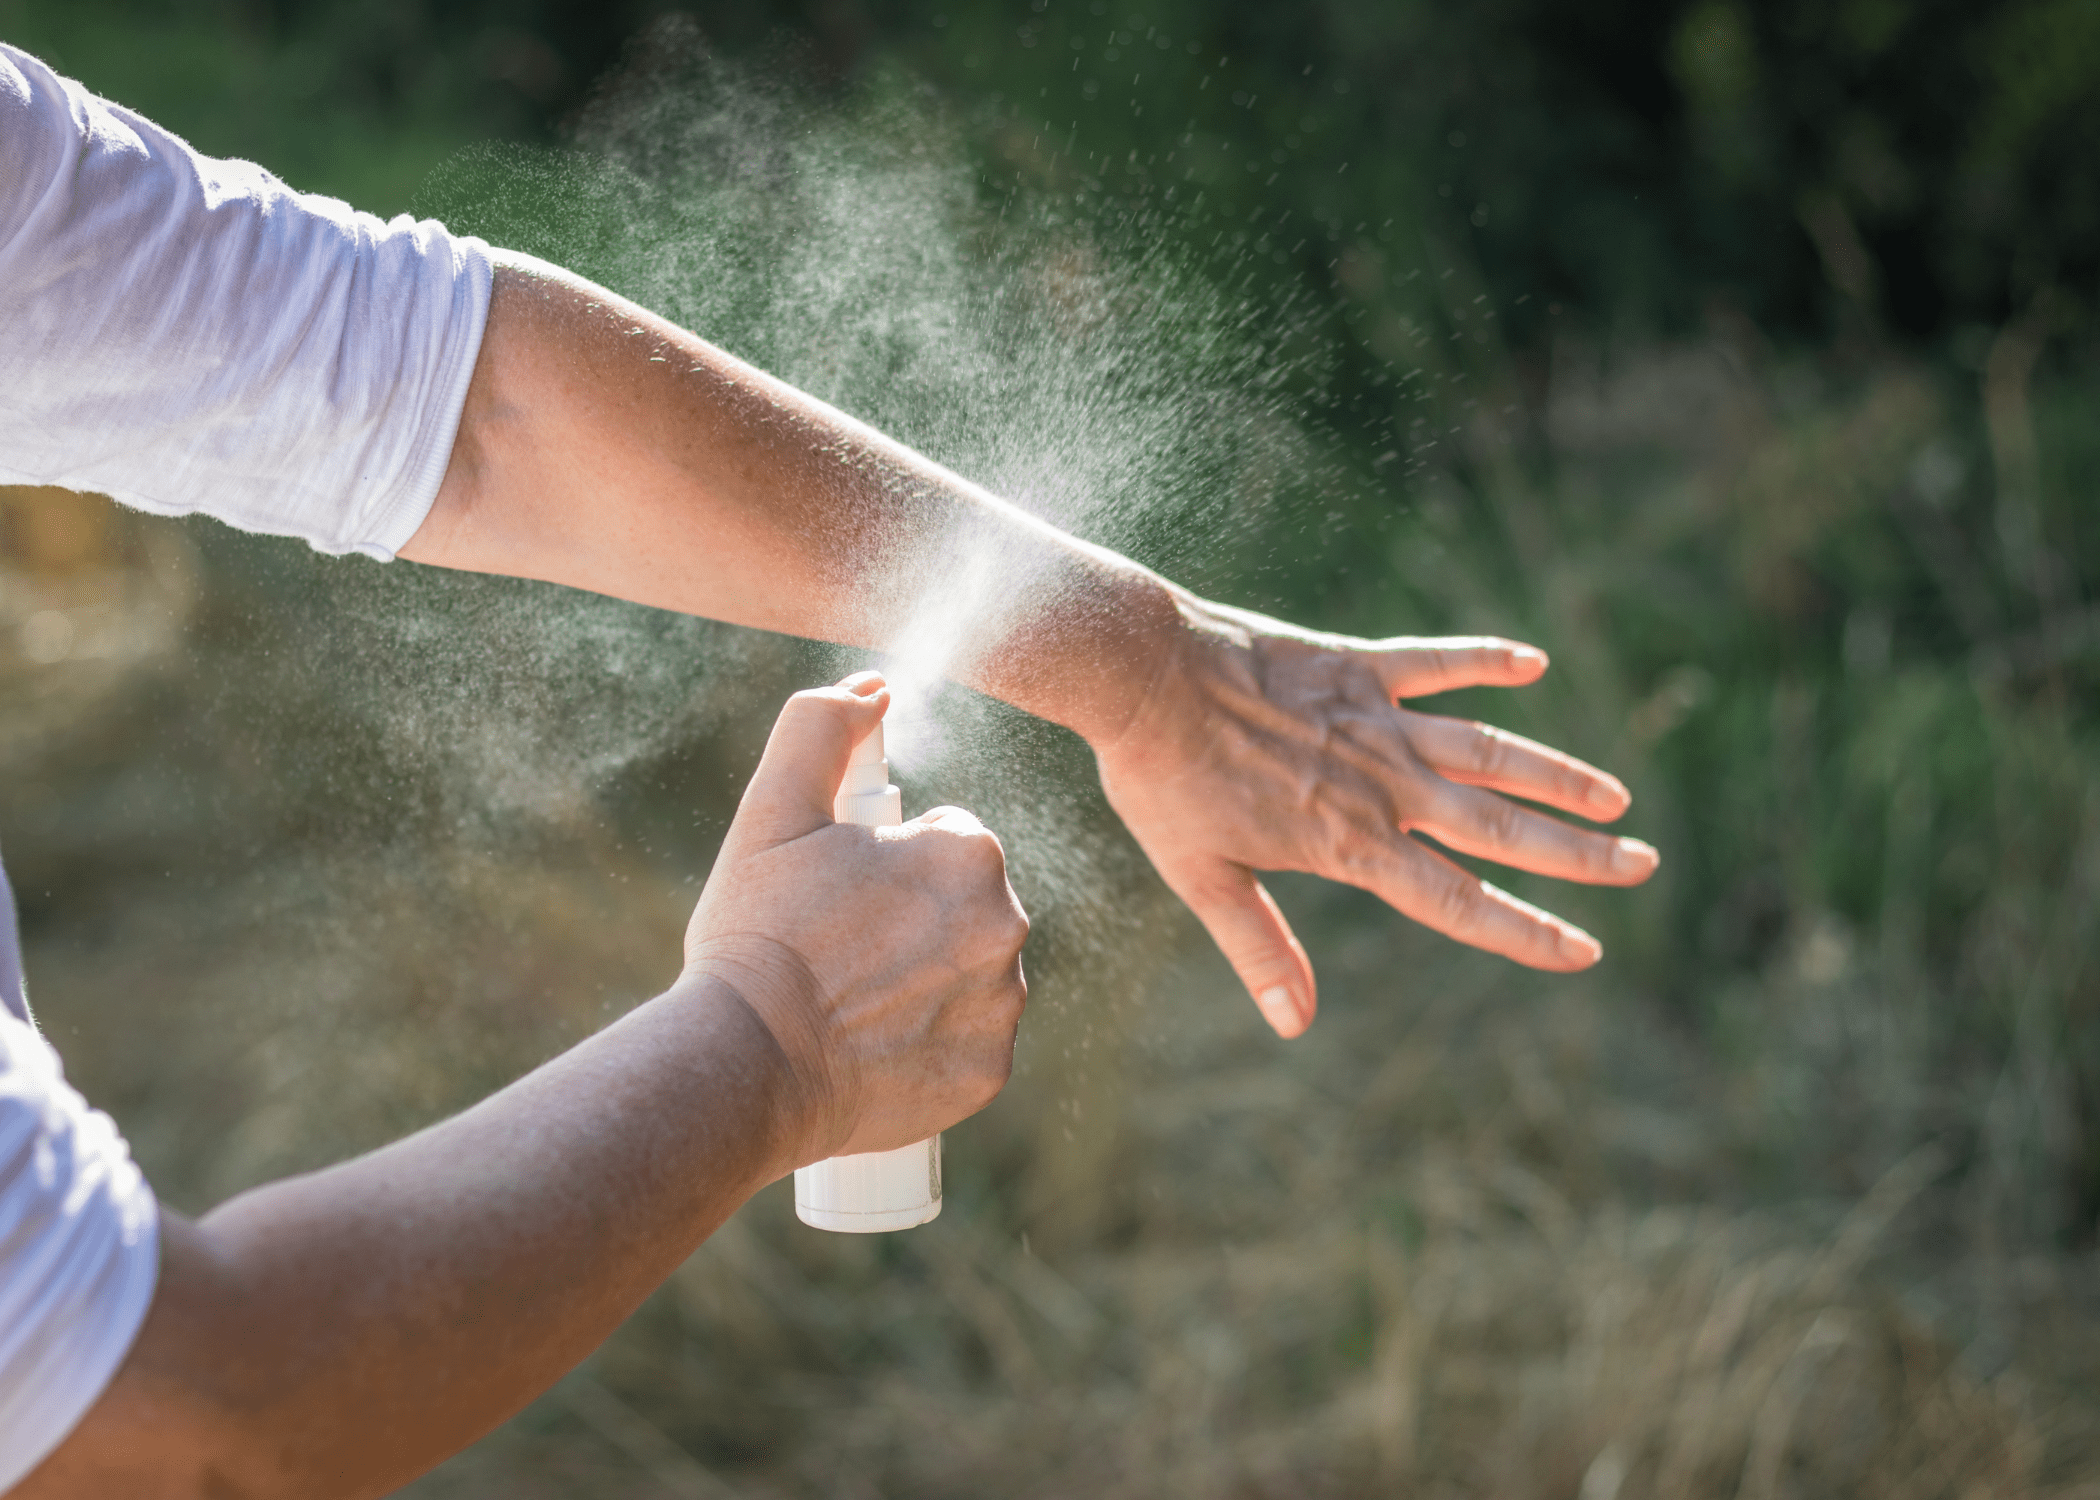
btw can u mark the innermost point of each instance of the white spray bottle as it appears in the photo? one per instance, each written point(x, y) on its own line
point(876, 1190)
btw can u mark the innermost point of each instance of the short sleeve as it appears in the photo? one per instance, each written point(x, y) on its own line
point(79, 1251)
point(189, 334)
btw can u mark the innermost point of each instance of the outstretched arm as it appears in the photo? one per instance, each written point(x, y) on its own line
point(605, 448)
point(336, 1334)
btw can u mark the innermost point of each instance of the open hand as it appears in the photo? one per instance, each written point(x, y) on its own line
point(886, 962)
point(1265, 747)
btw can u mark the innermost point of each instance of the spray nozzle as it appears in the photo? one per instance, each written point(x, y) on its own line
point(865, 796)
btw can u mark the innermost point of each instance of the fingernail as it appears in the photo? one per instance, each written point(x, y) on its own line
point(1280, 1009)
point(1633, 857)
point(1579, 948)
point(1528, 657)
point(869, 680)
point(1610, 795)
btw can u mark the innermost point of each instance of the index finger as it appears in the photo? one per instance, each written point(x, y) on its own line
point(1412, 667)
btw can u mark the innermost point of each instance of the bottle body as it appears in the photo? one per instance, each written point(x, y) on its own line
point(876, 1191)
point(873, 1192)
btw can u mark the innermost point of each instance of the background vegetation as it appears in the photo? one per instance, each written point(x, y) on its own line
point(1740, 355)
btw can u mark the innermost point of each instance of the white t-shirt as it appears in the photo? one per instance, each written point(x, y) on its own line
point(185, 334)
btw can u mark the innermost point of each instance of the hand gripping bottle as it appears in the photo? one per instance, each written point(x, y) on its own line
point(877, 1190)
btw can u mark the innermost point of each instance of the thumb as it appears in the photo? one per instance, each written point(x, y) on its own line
point(1243, 920)
point(792, 790)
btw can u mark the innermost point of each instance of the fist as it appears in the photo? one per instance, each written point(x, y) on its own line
point(885, 962)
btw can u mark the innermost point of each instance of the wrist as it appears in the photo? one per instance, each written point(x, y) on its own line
point(1089, 657)
point(1206, 679)
point(758, 1004)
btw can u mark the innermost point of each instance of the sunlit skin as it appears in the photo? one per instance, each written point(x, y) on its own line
point(909, 940)
point(608, 449)
point(845, 989)
point(338, 1333)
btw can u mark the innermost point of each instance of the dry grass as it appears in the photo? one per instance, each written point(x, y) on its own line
point(1481, 1234)
point(1386, 1262)
point(86, 598)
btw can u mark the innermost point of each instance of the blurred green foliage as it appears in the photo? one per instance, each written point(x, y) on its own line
point(1858, 615)
point(1742, 355)
point(1852, 609)
point(1636, 159)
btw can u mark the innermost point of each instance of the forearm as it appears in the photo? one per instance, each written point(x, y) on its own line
point(607, 449)
point(337, 1333)
point(603, 448)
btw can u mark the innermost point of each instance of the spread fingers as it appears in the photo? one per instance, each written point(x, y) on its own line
point(1482, 824)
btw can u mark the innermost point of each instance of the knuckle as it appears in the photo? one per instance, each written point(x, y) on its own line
point(811, 703)
point(987, 851)
point(1594, 855)
point(1456, 903)
point(993, 927)
point(1490, 755)
point(1206, 886)
point(807, 712)
point(976, 873)
point(1404, 810)
point(989, 1073)
point(1002, 996)
point(1502, 822)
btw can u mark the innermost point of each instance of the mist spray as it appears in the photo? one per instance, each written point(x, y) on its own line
point(875, 1190)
